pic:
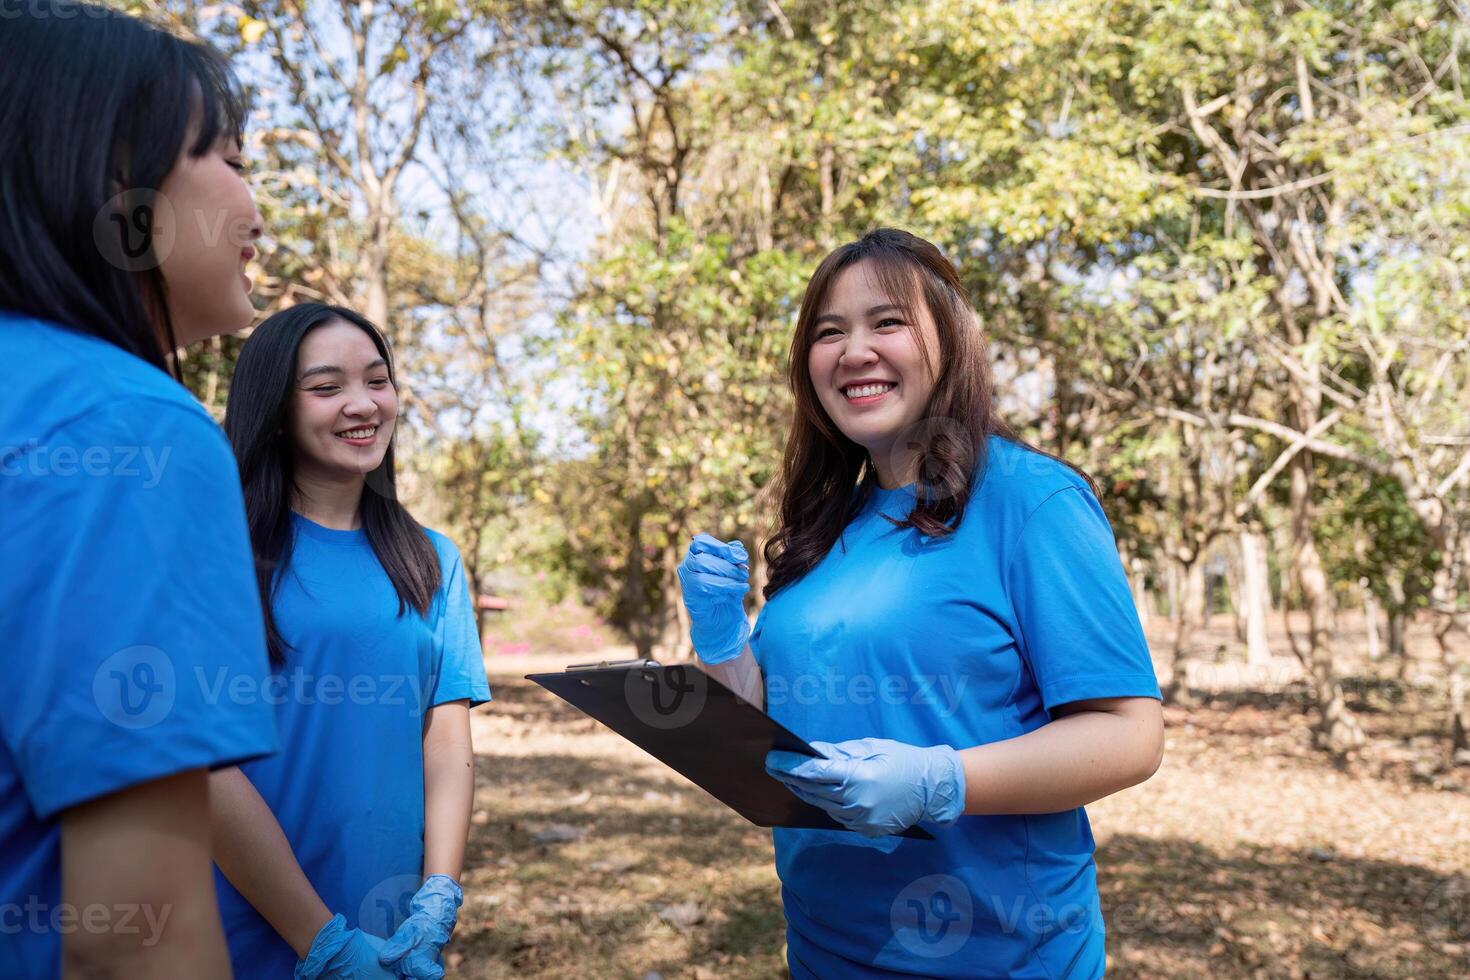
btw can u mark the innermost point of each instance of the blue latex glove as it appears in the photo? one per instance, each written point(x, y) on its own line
point(340, 953)
point(876, 786)
point(715, 576)
point(413, 951)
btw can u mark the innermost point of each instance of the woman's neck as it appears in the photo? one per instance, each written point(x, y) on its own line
point(894, 473)
point(332, 503)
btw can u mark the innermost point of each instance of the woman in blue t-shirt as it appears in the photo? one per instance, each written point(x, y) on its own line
point(359, 826)
point(947, 621)
point(125, 232)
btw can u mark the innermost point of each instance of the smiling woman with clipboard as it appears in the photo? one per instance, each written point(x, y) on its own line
point(948, 623)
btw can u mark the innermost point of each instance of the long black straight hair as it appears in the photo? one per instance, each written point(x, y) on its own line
point(95, 109)
point(256, 417)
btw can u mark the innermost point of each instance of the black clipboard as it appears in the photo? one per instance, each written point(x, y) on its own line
point(677, 713)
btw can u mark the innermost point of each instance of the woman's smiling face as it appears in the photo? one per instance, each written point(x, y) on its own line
point(211, 223)
point(873, 361)
point(342, 412)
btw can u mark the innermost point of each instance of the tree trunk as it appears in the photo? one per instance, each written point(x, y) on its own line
point(1459, 715)
point(673, 639)
point(1257, 597)
point(1396, 623)
point(1196, 596)
point(471, 561)
point(1174, 592)
point(1235, 584)
point(1296, 649)
point(1188, 612)
point(1370, 622)
point(375, 287)
point(1135, 584)
point(1397, 619)
point(632, 602)
point(1447, 581)
point(1336, 729)
point(1139, 579)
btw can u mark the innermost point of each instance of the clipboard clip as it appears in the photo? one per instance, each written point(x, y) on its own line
point(644, 666)
point(605, 664)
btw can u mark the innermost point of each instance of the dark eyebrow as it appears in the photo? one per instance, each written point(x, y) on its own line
point(872, 312)
point(319, 369)
point(334, 369)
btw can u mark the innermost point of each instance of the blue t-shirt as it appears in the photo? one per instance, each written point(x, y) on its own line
point(125, 572)
point(961, 640)
point(348, 785)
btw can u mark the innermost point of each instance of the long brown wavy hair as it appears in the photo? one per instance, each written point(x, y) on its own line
point(826, 478)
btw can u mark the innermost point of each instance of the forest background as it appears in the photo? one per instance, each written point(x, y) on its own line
point(1220, 249)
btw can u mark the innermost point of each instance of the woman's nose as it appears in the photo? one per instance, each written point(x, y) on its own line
point(249, 230)
point(857, 351)
point(360, 404)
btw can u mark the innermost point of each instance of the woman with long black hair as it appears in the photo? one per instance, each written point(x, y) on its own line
point(947, 621)
point(365, 813)
point(125, 570)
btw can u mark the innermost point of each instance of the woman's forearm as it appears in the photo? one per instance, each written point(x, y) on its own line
point(253, 853)
point(741, 675)
point(1095, 750)
point(449, 788)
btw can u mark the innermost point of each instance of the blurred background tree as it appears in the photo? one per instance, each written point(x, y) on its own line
point(1219, 251)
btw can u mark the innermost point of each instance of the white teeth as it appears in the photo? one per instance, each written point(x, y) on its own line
point(867, 390)
point(359, 433)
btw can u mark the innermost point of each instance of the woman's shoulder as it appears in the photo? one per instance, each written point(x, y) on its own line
point(56, 378)
point(453, 576)
point(1015, 479)
point(444, 547)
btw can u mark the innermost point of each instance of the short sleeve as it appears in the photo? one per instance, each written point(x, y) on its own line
point(1078, 628)
point(460, 667)
point(757, 631)
point(128, 606)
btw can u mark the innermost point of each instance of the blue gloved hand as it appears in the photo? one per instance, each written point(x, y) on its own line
point(413, 952)
point(876, 786)
point(715, 577)
point(340, 953)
